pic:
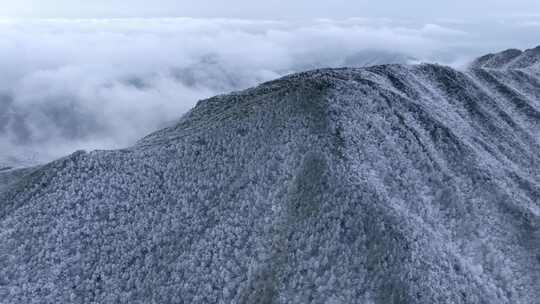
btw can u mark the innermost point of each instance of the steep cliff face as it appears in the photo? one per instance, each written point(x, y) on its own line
point(390, 184)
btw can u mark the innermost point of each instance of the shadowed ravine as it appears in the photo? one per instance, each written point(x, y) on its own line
point(388, 184)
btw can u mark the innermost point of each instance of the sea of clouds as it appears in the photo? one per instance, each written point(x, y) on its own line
point(101, 84)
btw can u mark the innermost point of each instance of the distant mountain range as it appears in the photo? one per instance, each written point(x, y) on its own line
point(369, 58)
point(387, 184)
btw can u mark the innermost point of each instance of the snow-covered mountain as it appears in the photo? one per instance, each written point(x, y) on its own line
point(388, 184)
point(43, 123)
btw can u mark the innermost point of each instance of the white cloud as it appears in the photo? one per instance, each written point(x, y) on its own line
point(94, 84)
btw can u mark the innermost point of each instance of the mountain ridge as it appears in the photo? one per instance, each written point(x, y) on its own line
point(388, 184)
point(510, 59)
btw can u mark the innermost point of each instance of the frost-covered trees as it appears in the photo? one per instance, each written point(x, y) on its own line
point(391, 184)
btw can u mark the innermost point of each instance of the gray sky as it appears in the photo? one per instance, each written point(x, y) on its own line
point(413, 9)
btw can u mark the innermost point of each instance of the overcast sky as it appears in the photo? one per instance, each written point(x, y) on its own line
point(270, 9)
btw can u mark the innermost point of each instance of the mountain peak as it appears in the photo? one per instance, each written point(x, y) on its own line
point(393, 183)
point(511, 59)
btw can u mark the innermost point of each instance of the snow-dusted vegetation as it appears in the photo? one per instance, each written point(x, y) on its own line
point(389, 184)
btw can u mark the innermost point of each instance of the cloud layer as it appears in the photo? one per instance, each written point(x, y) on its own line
point(101, 84)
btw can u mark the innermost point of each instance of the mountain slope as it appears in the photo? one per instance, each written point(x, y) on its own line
point(390, 184)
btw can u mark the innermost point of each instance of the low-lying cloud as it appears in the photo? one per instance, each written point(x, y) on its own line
point(102, 84)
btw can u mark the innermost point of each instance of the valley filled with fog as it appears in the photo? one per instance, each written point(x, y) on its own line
point(69, 84)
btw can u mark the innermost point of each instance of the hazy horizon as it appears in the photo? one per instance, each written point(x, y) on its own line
point(418, 10)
